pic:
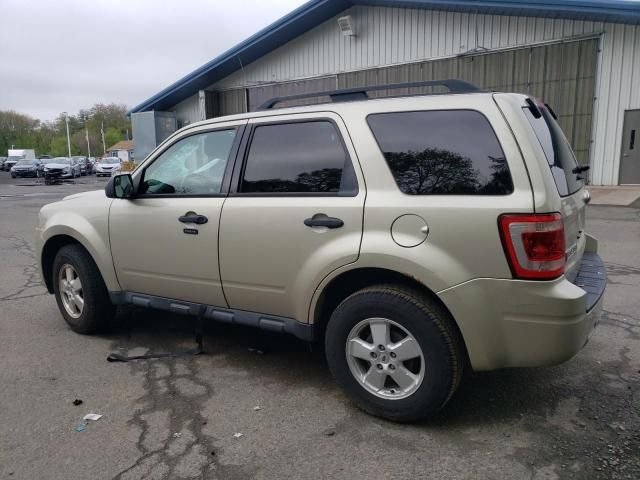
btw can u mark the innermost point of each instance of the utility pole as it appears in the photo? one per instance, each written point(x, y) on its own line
point(104, 147)
point(86, 135)
point(66, 119)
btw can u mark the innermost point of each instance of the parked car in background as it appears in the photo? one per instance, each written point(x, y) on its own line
point(46, 161)
point(89, 161)
point(26, 168)
point(107, 165)
point(2, 160)
point(61, 168)
point(10, 162)
point(16, 154)
point(82, 162)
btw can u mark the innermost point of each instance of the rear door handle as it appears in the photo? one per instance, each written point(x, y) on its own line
point(329, 222)
point(194, 218)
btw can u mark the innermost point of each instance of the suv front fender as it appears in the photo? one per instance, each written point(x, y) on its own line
point(65, 227)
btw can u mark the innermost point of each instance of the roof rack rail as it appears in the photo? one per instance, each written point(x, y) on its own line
point(360, 93)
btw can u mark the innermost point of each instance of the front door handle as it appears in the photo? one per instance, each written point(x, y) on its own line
point(329, 222)
point(193, 218)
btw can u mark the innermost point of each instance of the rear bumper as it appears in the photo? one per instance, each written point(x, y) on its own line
point(516, 323)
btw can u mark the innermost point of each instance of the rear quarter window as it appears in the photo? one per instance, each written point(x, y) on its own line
point(557, 151)
point(443, 152)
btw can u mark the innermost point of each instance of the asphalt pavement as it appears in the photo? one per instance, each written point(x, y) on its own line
point(264, 406)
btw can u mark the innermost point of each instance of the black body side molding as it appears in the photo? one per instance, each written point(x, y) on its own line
point(271, 323)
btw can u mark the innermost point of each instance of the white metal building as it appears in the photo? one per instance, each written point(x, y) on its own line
point(580, 56)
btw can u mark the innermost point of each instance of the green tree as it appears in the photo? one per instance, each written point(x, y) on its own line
point(23, 131)
point(58, 147)
point(112, 136)
point(16, 129)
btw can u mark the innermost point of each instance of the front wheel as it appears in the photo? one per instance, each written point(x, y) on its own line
point(80, 291)
point(395, 352)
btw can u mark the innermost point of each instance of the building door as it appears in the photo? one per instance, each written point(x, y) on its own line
point(630, 151)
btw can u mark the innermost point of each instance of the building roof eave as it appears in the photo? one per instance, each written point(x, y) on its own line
point(314, 12)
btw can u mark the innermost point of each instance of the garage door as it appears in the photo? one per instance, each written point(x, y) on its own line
point(562, 74)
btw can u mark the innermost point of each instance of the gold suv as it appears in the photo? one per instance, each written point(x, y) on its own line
point(414, 236)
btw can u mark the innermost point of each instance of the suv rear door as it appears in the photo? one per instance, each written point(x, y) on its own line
point(294, 213)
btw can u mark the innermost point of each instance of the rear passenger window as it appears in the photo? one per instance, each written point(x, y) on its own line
point(442, 152)
point(305, 157)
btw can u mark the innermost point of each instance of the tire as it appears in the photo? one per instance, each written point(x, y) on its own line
point(435, 375)
point(98, 309)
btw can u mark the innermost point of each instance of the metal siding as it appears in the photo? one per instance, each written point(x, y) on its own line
point(259, 95)
point(232, 101)
point(188, 111)
point(387, 36)
point(619, 73)
point(562, 74)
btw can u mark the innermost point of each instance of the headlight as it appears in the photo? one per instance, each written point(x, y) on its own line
point(67, 169)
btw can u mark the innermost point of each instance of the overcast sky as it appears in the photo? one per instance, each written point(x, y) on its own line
point(65, 55)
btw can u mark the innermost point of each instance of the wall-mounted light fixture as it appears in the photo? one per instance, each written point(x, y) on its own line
point(346, 26)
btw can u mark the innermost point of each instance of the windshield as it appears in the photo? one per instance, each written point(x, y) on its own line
point(25, 162)
point(47, 161)
point(111, 161)
point(64, 160)
point(14, 159)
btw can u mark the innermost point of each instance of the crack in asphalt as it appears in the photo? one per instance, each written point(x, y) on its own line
point(626, 322)
point(620, 269)
point(163, 395)
point(174, 396)
point(30, 272)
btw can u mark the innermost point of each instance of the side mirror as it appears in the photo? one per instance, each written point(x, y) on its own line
point(120, 186)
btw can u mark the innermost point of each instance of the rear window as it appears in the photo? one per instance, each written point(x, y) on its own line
point(557, 151)
point(443, 152)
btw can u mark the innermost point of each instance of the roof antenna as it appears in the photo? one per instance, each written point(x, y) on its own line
point(478, 48)
point(244, 76)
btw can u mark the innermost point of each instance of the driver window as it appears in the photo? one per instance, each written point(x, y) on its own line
point(194, 165)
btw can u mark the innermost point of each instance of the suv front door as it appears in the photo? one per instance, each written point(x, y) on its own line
point(164, 241)
point(293, 215)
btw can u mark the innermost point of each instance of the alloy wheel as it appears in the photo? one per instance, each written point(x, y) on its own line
point(385, 358)
point(70, 288)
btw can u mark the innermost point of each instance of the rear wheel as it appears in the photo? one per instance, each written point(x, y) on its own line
point(395, 352)
point(80, 291)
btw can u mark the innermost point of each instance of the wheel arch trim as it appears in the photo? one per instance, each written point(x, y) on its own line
point(56, 234)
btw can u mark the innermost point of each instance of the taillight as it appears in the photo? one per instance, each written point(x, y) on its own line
point(534, 245)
